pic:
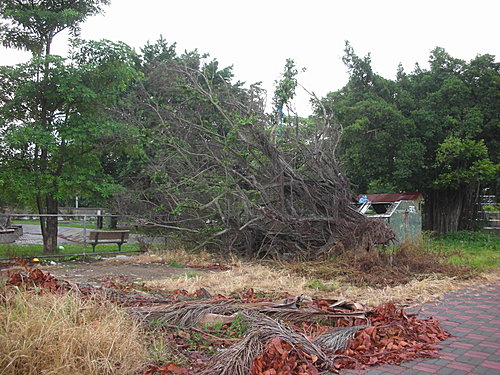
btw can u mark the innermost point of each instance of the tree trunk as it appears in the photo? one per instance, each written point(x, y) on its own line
point(470, 209)
point(443, 210)
point(48, 224)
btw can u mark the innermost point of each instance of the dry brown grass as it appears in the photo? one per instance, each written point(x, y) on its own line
point(491, 277)
point(179, 256)
point(62, 334)
point(266, 279)
point(416, 291)
point(240, 277)
point(380, 269)
point(321, 279)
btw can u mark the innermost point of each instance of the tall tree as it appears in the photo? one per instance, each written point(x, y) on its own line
point(435, 131)
point(32, 24)
point(53, 117)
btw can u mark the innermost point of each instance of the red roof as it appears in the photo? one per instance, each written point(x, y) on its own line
point(392, 197)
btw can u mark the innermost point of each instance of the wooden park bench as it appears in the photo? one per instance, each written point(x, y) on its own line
point(118, 237)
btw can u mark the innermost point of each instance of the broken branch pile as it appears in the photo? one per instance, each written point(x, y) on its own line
point(288, 337)
point(253, 335)
point(190, 313)
point(231, 180)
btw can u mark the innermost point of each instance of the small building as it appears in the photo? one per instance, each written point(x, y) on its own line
point(403, 212)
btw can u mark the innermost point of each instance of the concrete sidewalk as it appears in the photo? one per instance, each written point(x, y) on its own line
point(472, 316)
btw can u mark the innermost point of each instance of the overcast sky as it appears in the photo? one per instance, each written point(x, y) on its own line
point(257, 36)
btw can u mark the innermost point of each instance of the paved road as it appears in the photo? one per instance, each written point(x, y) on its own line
point(472, 316)
point(32, 235)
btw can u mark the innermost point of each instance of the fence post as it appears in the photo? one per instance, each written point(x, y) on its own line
point(84, 235)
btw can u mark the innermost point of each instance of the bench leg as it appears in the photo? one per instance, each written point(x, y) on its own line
point(93, 247)
point(119, 247)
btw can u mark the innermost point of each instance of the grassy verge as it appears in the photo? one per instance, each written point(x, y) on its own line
point(7, 250)
point(479, 250)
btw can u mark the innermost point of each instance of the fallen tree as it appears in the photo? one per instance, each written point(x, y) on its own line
point(225, 174)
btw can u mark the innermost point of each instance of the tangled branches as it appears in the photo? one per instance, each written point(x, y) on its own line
point(219, 171)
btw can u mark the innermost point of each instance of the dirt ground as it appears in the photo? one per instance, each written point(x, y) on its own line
point(99, 270)
point(87, 272)
point(167, 271)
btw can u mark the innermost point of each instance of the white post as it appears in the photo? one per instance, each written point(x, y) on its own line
point(84, 235)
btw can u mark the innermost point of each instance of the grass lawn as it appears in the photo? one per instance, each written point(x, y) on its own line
point(89, 225)
point(479, 250)
point(8, 250)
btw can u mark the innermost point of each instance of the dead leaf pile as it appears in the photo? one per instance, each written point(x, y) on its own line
point(281, 358)
point(36, 279)
point(168, 369)
point(393, 337)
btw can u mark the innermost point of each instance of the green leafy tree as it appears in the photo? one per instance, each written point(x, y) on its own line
point(54, 117)
point(31, 25)
point(435, 131)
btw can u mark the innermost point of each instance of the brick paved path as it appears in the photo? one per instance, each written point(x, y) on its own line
point(472, 316)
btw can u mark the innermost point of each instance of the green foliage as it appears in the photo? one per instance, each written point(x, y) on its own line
point(54, 112)
point(285, 88)
point(463, 161)
point(32, 24)
point(434, 131)
point(9, 250)
point(160, 349)
point(176, 264)
point(428, 128)
point(491, 208)
point(360, 69)
point(60, 155)
point(285, 116)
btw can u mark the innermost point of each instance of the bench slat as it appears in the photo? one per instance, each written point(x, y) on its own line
point(118, 237)
point(107, 235)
